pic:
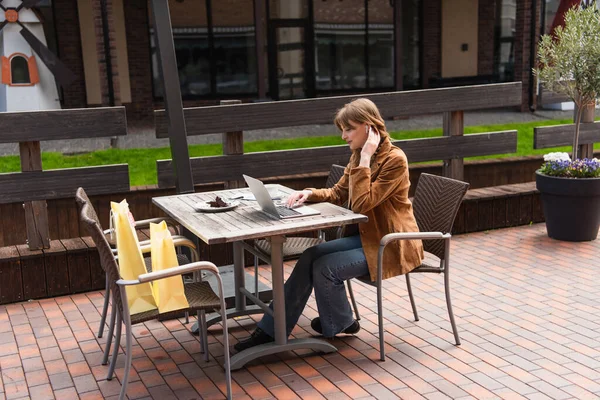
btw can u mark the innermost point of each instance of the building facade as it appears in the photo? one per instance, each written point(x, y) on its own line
point(288, 49)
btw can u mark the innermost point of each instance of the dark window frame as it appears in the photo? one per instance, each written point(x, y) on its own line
point(421, 28)
point(213, 95)
point(498, 41)
point(366, 58)
point(310, 47)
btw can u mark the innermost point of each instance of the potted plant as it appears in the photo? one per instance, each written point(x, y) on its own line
point(569, 64)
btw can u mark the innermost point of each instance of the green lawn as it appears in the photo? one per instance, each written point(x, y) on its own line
point(142, 162)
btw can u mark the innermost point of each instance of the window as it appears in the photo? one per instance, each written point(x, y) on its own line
point(190, 35)
point(550, 13)
point(381, 44)
point(355, 44)
point(214, 46)
point(504, 58)
point(554, 12)
point(411, 43)
point(234, 47)
point(340, 45)
point(19, 70)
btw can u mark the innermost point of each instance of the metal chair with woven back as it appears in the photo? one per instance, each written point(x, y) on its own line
point(295, 246)
point(200, 296)
point(179, 241)
point(82, 197)
point(435, 205)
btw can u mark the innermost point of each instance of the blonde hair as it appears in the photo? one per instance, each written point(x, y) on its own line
point(360, 111)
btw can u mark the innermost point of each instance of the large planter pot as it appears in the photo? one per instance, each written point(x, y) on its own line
point(571, 207)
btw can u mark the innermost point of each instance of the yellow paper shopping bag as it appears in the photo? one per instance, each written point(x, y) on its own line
point(168, 292)
point(131, 261)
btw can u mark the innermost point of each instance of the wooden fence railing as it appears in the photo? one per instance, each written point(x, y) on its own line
point(233, 119)
point(33, 185)
point(562, 135)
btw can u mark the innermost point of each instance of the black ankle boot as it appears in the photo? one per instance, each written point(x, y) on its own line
point(315, 324)
point(257, 337)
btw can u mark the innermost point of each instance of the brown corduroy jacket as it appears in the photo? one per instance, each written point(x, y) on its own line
point(381, 193)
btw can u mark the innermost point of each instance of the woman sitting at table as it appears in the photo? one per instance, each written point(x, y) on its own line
point(376, 184)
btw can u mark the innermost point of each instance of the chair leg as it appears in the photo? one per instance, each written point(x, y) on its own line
point(187, 317)
point(449, 304)
point(203, 328)
point(128, 356)
point(380, 320)
point(111, 330)
point(227, 362)
point(349, 282)
point(256, 276)
point(113, 362)
point(201, 332)
point(411, 297)
point(104, 309)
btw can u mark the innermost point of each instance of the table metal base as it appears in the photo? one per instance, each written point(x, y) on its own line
point(265, 292)
point(226, 272)
point(242, 358)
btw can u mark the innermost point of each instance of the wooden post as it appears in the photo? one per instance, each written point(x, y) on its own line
point(454, 126)
point(587, 150)
point(36, 212)
point(233, 144)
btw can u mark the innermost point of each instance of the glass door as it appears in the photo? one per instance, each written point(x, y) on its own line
point(288, 60)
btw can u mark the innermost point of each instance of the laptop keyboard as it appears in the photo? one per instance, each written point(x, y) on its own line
point(286, 212)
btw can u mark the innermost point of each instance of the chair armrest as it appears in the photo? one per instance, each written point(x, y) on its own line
point(178, 241)
point(174, 271)
point(390, 237)
point(412, 235)
point(145, 223)
point(182, 241)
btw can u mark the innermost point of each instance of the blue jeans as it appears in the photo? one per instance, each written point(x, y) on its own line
point(324, 267)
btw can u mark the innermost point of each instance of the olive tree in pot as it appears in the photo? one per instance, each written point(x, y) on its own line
point(569, 64)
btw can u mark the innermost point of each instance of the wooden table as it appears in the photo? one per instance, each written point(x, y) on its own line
point(247, 221)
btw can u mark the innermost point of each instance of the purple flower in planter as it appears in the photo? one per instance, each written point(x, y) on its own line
point(564, 167)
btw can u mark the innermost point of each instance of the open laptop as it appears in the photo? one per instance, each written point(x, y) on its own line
point(266, 203)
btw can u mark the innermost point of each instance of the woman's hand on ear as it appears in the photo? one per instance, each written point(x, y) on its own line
point(369, 147)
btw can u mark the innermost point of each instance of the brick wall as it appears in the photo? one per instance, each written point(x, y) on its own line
point(188, 13)
point(432, 41)
point(69, 50)
point(224, 12)
point(349, 12)
point(487, 23)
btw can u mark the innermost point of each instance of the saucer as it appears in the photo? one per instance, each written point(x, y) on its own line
point(204, 206)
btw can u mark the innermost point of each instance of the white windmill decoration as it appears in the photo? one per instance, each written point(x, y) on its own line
point(29, 68)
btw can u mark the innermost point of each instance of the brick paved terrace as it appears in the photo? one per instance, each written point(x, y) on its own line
point(526, 308)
